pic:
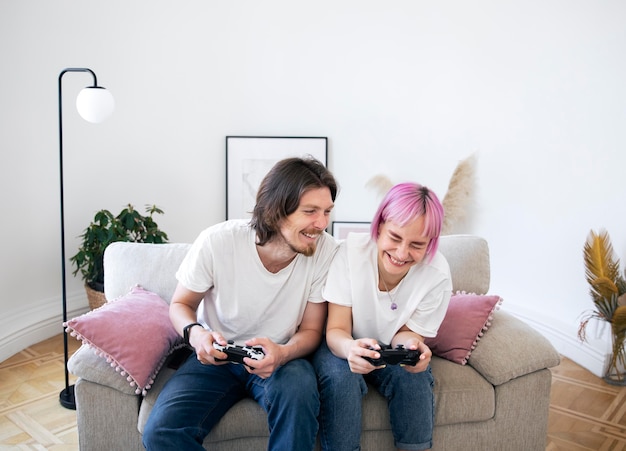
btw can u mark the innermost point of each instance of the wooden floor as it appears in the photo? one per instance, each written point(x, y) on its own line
point(31, 417)
point(585, 412)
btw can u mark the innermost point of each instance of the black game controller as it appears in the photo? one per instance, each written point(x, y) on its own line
point(394, 356)
point(236, 353)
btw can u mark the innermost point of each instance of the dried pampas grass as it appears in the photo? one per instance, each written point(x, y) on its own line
point(459, 196)
point(380, 183)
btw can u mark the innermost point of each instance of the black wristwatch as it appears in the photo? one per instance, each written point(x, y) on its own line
point(186, 331)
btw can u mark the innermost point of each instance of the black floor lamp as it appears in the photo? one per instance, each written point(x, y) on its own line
point(94, 104)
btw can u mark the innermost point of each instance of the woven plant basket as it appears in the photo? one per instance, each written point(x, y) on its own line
point(96, 298)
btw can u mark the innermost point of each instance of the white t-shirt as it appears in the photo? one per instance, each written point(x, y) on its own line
point(422, 296)
point(244, 300)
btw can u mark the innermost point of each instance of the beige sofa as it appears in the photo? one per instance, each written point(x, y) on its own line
point(498, 401)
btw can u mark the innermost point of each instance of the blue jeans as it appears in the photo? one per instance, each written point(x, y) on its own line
point(197, 396)
point(409, 397)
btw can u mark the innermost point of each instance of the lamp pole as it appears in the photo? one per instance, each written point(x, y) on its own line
point(96, 104)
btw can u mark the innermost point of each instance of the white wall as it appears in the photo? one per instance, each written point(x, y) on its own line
point(403, 88)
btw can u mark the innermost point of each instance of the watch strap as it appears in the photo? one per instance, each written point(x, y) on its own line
point(186, 331)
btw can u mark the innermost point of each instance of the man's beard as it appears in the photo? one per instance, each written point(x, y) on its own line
point(308, 251)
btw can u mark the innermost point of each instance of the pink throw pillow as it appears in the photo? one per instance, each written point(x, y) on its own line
point(467, 318)
point(133, 332)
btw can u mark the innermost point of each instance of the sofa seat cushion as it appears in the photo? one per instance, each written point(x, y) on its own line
point(462, 395)
point(150, 399)
point(246, 412)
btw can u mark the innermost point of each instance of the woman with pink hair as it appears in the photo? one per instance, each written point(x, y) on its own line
point(390, 286)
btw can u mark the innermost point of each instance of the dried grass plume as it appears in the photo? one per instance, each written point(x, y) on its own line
point(459, 197)
point(380, 183)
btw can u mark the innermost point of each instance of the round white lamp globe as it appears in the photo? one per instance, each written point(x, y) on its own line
point(95, 104)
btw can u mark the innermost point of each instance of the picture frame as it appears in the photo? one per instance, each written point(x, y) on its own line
point(249, 158)
point(340, 229)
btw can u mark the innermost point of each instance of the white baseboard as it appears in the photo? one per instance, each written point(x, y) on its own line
point(41, 321)
point(592, 354)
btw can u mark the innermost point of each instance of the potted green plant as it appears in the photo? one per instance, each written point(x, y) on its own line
point(607, 290)
point(128, 225)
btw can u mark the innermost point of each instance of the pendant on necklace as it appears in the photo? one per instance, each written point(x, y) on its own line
point(393, 305)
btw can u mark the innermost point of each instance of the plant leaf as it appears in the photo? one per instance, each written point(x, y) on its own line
point(618, 321)
point(600, 265)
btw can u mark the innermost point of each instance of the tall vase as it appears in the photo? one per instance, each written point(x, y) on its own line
point(615, 373)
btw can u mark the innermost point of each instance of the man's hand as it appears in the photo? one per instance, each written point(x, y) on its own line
point(274, 358)
point(202, 341)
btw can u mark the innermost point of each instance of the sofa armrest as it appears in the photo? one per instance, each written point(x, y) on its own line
point(86, 364)
point(106, 419)
point(511, 348)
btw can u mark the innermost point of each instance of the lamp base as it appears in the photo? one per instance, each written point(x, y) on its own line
point(66, 398)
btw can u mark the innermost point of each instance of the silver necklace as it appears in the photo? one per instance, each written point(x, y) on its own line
point(393, 305)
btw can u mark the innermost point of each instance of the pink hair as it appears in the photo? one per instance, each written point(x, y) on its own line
point(406, 202)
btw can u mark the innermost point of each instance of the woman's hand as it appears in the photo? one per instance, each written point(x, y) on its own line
point(360, 348)
point(424, 358)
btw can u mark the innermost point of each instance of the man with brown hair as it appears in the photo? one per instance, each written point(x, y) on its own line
point(256, 284)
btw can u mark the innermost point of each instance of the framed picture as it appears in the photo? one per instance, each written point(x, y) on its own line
point(249, 159)
point(340, 229)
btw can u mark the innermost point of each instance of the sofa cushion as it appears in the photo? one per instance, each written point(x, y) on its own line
point(461, 395)
point(246, 411)
point(468, 257)
point(126, 265)
point(467, 318)
point(511, 348)
point(133, 333)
